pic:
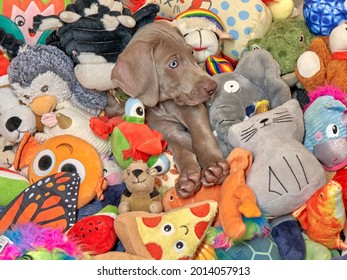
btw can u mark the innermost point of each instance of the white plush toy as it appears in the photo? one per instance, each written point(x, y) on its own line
point(206, 36)
point(15, 119)
point(74, 121)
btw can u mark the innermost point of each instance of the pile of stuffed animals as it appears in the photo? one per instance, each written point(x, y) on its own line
point(83, 176)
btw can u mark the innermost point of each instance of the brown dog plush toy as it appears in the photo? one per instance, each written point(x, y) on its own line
point(140, 193)
point(325, 62)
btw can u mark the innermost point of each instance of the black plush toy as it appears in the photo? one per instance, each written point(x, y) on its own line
point(93, 33)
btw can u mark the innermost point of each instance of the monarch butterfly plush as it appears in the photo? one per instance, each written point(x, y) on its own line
point(49, 202)
point(64, 153)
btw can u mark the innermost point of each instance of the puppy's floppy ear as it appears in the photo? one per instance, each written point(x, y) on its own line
point(136, 74)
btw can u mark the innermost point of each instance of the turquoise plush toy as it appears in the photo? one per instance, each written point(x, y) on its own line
point(325, 122)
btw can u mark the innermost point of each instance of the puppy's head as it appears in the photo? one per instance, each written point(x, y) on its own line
point(159, 65)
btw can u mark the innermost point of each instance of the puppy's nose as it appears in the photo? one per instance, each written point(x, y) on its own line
point(13, 124)
point(210, 88)
point(137, 172)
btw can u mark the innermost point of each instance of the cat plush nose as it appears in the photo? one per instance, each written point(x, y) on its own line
point(263, 121)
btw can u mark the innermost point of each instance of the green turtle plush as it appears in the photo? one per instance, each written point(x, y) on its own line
point(286, 40)
point(258, 248)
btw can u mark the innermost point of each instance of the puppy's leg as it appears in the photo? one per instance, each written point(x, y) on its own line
point(180, 144)
point(205, 146)
point(189, 180)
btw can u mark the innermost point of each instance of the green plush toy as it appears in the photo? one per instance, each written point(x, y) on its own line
point(11, 184)
point(315, 250)
point(134, 140)
point(286, 40)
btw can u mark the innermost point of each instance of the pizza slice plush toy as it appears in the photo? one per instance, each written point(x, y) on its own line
point(173, 235)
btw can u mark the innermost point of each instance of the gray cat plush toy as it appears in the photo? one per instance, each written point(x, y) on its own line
point(284, 173)
point(257, 77)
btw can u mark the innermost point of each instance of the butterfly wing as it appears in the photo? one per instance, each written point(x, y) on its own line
point(50, 202)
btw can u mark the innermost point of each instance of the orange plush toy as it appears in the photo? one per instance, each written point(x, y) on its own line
point(235, 198)
point(325, 62)
point(64, 153)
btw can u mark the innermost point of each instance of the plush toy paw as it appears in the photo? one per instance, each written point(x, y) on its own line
point(123, 207)
point(215, 173)
point(49, 119)
point(289, 240)
point(309, 64)
point(156, 207)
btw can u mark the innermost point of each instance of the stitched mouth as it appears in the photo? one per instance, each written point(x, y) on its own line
point(138, 182)
point(198, 49)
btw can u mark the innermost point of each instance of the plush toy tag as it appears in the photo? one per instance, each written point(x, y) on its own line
point(3, 242)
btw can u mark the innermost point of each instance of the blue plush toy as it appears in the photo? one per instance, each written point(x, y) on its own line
point(322, 16)
point(325, 122)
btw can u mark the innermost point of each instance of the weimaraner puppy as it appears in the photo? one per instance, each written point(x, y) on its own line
point(158, 67)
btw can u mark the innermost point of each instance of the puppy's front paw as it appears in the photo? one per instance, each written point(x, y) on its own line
point(188, 183)
point(215, 173)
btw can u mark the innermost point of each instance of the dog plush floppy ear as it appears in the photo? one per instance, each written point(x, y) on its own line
point(135, 72)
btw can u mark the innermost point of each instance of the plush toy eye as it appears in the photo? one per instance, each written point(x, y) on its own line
point(301, 38)
point(167, 229)
point(26, 97)
point(44, 88)
point(231, 86)
point(162, 164)
point(173, 64)
point(44, 163)
point(19, 20)
point(134, 108)
point(180, 246)
point(332, 131)
point(73, 166)
point(255, 47)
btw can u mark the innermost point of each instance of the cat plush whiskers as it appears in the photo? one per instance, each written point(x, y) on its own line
point(247, 133)
point(286, 117)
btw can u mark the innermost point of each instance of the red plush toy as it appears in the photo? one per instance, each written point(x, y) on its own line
point(95, 234)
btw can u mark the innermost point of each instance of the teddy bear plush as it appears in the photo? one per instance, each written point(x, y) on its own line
point(140, 193)
point(325, 61)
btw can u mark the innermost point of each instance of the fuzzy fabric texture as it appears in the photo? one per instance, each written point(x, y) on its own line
point(31, 237)
point(35, 61)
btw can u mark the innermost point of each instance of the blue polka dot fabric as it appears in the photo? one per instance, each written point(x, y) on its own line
point(242, 19)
